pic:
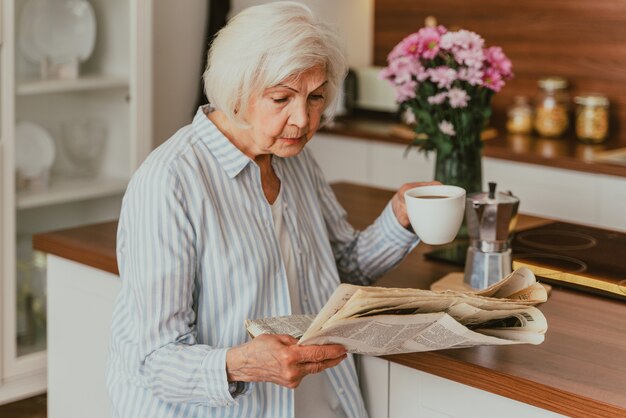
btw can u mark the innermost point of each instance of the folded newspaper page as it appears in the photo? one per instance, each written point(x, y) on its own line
point(381, 321)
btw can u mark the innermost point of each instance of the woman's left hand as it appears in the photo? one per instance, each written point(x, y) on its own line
point(399, 205)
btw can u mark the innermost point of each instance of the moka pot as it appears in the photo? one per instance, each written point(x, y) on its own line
point(490, 217)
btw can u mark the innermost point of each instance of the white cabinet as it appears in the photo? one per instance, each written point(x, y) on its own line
point(391, 390)
point(111, 98)
point(586, 198)
point(78, 347)
point(374, 382)
point(415, 394)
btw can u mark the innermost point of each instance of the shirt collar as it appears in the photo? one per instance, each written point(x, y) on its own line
point(232, 160)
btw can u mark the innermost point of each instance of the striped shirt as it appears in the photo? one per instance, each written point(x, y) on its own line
point(197, 255)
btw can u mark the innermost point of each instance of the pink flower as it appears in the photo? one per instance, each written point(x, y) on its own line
point(405, 91)
point(497, 60)
point(409, 46)
point(472, 75)
point(401, 70)
point(386, 74)
point(447, 128)
point(423, 43)
point(462, 39)
point(458, 98)
point(418, 60)
point(443, 76)
point(429, 42)
point(473, 58)
point(493, 80)
point(437, 99)
point(466, 47)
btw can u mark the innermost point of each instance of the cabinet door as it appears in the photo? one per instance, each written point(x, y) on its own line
point(612, 202)
point(341, 158)
point(415, 394)
point(105, 108)
point(546, 191)
point(374, 381)
point(15, 319)
point(393, 165)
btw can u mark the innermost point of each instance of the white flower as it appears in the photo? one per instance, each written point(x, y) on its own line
point(458, 97)
point(447, 128)
point(408, 117)
point(437, 98)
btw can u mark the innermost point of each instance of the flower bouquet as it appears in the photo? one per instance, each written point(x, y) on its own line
point(444, 81)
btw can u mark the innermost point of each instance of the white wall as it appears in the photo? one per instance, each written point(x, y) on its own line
point(179, 28)
point(354, 20)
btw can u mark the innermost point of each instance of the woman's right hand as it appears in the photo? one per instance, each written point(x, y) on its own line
point(278, 359)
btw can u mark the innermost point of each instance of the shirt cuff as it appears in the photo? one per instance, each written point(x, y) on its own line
point(395, 232)
point(218, 388)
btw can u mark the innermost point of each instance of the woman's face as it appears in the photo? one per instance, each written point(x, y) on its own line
point(284, 117)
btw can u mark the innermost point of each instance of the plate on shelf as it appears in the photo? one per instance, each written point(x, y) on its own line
point(61, 30)
point(34, 150)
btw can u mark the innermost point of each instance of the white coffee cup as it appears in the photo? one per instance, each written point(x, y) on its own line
point(436, 212)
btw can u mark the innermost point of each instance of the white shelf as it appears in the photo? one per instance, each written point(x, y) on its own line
point(70, 190)
point(93, 82)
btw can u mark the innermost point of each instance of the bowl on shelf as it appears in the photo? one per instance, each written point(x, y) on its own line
point(84, 142)
point(34, 154)
point(57, 35)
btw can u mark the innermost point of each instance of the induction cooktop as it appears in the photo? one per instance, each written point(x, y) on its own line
point(575, 256)
point(582, 257)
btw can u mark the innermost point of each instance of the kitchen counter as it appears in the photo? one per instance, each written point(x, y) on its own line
point(566, 152)
point(580, 369)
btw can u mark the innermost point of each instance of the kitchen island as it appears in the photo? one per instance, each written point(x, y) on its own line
point(580, 369)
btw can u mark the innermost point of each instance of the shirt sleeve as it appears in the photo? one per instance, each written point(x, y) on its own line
point(157, 260)
point(362, 256)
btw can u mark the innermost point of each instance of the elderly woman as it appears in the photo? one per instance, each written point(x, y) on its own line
point(231, 219)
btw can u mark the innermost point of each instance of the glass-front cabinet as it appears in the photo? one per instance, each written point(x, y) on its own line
point(75, 120)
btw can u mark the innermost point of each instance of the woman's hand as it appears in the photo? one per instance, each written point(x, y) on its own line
point(278, 359)
point(399, 205)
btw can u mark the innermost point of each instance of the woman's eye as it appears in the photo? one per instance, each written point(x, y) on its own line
point(316, 97)
point(279, 99)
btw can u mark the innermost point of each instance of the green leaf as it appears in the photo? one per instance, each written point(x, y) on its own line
point(445, 148)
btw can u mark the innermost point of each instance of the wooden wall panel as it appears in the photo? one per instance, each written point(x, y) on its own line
point(581, 40)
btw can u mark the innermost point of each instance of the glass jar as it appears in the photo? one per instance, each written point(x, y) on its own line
point(592, 118)
point(551, 107)
point(520, 116)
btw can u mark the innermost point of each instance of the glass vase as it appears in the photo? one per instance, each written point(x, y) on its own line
point(461, 167)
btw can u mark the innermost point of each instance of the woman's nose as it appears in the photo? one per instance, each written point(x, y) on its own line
point(300, 115)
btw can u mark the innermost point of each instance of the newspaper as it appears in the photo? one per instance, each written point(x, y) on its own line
point(380, 321)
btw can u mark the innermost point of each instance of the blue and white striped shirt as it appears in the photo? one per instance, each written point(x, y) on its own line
point(197, 255)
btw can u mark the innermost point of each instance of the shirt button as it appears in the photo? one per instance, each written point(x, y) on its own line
point(340, 391)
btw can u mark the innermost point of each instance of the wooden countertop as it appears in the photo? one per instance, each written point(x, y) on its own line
point(566, 152)
point(580, 369)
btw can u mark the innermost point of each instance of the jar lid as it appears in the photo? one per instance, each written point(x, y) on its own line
point(591, 99)
point(552, 83)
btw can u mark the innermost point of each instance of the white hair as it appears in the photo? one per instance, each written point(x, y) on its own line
point(265, 45)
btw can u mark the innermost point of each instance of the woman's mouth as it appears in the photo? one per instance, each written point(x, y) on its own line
point(291, 141)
